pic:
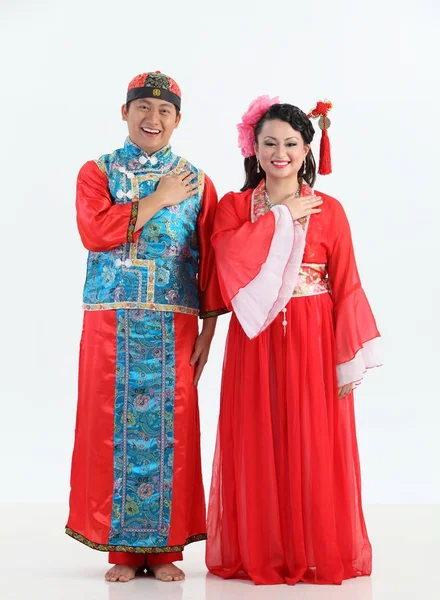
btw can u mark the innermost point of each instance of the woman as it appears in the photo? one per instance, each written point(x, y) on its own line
point(285, 502)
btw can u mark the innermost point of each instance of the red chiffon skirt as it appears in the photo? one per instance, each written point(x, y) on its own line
point(285, 502)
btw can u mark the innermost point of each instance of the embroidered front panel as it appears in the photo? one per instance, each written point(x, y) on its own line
point(312, 280)
point(144, 433)
point(160, 268)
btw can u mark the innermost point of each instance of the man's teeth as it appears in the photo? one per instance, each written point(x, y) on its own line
point(147, 130)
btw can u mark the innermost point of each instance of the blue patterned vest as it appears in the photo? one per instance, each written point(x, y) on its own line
point(158, 271)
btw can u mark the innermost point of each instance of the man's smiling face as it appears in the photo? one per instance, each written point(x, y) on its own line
point(151, 122)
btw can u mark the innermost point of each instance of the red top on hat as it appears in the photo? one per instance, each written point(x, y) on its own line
point(154, 85)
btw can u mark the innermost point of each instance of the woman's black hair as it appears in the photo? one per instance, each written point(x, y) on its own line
point(299, 121)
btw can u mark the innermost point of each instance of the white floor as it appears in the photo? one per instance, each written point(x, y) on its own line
point(38, 561)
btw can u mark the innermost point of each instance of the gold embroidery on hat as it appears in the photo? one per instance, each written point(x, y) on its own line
point(156, 92)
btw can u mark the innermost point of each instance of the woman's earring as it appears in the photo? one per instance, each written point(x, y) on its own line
point(304, 167)
point(258, 165)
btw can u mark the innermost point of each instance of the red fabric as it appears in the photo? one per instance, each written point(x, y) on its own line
point(163, 559)
point(354, 320)
point(143, 560)
point(285, 502)
point(127, 558)
point(188, 514)
point(92, 462)
point(241, 247)
point(102, 224)
point(209, 289)
point(138, 81)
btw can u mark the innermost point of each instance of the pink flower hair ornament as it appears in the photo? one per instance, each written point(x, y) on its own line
point(246, 129)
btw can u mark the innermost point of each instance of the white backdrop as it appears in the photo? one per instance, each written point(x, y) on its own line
point(64, 71)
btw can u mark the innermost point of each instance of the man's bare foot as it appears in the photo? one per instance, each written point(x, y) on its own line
point(167, 572)
point(121, 573)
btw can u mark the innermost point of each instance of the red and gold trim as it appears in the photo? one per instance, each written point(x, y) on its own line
point(133, 220)
point(213, 313)
point(132, 549)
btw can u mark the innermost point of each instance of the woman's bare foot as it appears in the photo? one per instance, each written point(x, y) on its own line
point(121, 573)
point(167, 572)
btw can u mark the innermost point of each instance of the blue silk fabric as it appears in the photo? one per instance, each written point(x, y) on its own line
point(159, 270)
point(144, 428)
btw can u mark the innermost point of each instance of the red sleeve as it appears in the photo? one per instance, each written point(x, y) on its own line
point(211, 302)
point(102, 224)
point(241, 247)
point(354, 321)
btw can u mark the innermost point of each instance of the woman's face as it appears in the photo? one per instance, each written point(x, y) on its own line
point(280, 149)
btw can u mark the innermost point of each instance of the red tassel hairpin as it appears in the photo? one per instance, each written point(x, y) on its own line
point(320, 111)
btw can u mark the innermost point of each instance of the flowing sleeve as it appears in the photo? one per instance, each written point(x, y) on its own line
point(211, 301)
point(102, 224)
point(258, 262)
point(357, 338)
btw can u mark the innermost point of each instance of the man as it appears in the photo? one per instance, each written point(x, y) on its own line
point(146, 217)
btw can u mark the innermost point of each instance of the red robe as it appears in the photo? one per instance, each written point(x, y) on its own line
point(285, 503)
point(104, 225)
